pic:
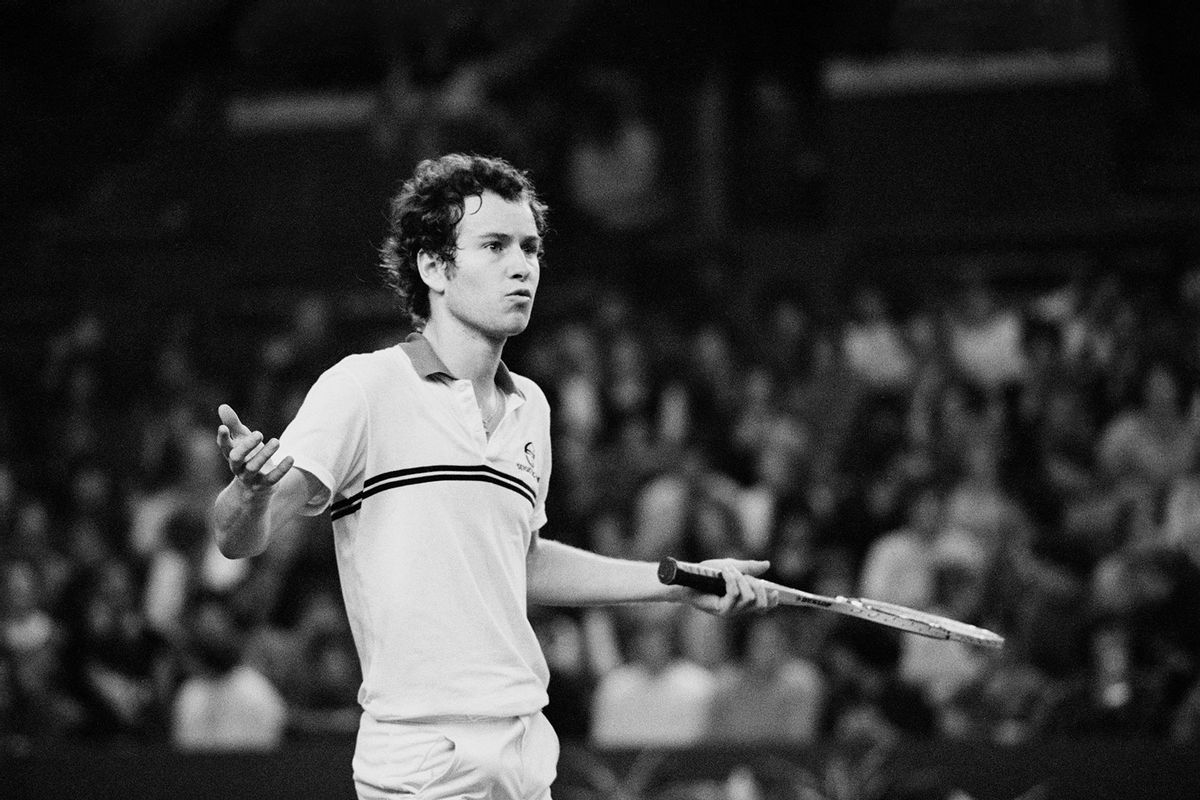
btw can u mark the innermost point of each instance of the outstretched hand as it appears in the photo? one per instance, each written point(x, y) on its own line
point(246, 453)
point(743, 591)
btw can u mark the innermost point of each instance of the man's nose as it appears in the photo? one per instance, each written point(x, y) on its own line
point(521, 264)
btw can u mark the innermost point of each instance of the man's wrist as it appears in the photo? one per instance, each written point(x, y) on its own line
point(252, 495)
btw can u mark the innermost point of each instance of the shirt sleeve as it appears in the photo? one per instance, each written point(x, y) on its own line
point(328, 436)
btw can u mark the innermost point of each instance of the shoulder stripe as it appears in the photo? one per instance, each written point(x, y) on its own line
point(439, 472)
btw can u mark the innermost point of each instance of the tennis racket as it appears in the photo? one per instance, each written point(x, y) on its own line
point(710, 581)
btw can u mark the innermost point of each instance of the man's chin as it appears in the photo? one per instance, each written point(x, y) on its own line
point(516, 326)
point(502, 332)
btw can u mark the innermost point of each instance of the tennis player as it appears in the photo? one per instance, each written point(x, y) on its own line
point(433, 460)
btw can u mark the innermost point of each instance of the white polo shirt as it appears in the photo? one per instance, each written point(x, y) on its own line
point(432, 520)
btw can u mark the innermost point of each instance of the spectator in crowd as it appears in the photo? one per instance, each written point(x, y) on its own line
point(24, 622)
point(687, 509)
point(899, 566)
point(1185, 727)
point(33, 701)
point(795, 558)
point(868, 701)
point(78, 394)
point(981, 505)
point(614, 162)
point(1111, 698)
point(325, 702)
point(785, 338)
point(118, 667)
point(35, 540)
point(174, 574)
point(223, 703)
point(875, 345)
point(293, 358)
point(455, 75)
point(655, 697)
point(1056, 478)
point(1181, 514)
point(958, 567)
point(194, 477)
point(771, 696)
point(1001, 704)
point(984, 338)
point(573, 672)
point(825, 398)
point(779, 461)
point(1147, 446)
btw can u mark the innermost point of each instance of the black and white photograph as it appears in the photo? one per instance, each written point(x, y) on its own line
point(600, 399)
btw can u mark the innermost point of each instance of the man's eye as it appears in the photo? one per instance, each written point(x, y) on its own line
point(495, 247)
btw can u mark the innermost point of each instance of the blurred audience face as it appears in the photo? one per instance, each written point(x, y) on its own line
point(115, 586)
point(562, 642)
point(608, 537)
point(711, 353)
point(92, 490)
point(31, 531)
point(18, 589)
point(311, 319)
point(87, 544)
point(778, 459)
point(870, 306)
point(215, 642)
point(925, 512)
point(652, 638)
point(767, 646)
point(1161, 393)
point(204, 468)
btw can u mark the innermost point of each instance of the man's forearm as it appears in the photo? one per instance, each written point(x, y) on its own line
point(567, 576)
point(241, 519)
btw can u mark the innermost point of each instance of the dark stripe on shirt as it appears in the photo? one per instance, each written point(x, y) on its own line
point(441, 472)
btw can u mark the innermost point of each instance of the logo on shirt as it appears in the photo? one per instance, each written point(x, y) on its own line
point(531, 459)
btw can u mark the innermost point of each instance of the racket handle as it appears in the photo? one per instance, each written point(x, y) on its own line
point(680, 573)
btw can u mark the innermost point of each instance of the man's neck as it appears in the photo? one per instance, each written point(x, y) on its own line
point(468, 354)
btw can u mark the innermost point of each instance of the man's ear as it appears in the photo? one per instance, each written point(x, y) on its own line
point(432, 269)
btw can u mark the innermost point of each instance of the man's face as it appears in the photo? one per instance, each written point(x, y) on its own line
point(491, 284)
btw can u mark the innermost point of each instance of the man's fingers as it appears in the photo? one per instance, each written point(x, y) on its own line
point(732, 590)
point(762, 596)
point(259, 458)
point(743, 591)
point(274, 476)
point(230, 418)
point(751, 567)
point(224, 441)
point(244, 446)
point(746, 594)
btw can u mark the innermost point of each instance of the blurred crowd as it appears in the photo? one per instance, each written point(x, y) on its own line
point(1022, 460)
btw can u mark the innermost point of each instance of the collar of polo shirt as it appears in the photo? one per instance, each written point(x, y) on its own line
point(427, 363)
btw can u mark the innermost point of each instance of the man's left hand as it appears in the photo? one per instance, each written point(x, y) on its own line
point(743, 591)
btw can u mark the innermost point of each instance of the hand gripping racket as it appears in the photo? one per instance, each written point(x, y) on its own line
point(710, 581)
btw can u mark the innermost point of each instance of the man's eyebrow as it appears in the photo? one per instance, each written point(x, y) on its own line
point(508, 237)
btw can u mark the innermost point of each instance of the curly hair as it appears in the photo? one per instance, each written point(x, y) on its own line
point(425, 213)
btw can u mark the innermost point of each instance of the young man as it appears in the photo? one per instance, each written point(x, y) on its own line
point(434, 460)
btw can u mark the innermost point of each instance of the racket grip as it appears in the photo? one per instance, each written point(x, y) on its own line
point(680, 573)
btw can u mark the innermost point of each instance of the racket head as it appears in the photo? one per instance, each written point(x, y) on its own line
point(923, 623)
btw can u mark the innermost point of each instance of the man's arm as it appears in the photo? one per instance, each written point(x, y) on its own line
point(559, 574)
point(255, 504)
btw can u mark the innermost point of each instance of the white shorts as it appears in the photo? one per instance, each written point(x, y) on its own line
point(480, 758)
